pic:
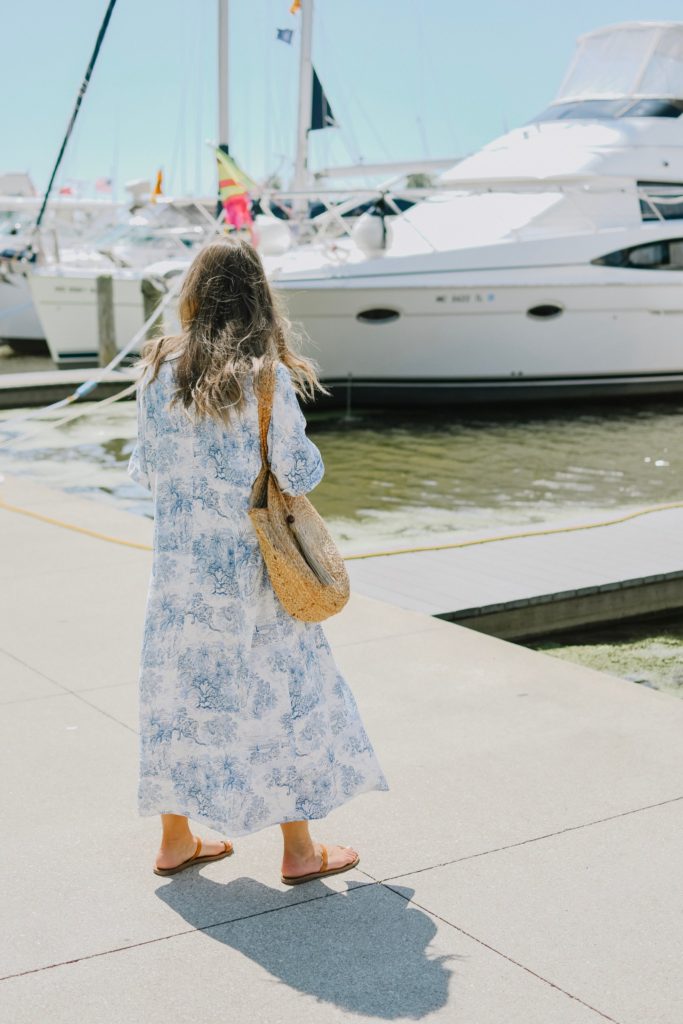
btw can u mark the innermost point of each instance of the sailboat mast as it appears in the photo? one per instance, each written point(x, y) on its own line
point(223, 112)
point(301, 180)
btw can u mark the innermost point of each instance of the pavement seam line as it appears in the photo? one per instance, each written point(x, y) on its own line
point(65, 692)
point(185, 931)
point(534, 839)
point(29, 700)
point(37, 671)
point(107, 714)
point(505, 956)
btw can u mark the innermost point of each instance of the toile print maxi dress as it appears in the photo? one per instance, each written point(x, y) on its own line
point(245, 719)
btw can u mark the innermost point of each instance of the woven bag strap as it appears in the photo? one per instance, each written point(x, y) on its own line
point(266, 390)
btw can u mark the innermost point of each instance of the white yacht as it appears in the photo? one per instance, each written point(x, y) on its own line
point(70, 222)
point(549, 264)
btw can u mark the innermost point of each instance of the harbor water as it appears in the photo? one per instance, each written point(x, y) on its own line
point(393, 481)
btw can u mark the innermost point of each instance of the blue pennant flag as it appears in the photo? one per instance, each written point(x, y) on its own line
point(285, 34)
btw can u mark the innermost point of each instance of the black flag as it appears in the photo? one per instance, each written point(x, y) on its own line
point(321, 111)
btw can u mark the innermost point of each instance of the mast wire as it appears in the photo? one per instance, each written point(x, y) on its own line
point(79, 99)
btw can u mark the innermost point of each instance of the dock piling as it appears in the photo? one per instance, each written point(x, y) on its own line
point(151, 297)
point(106, 328)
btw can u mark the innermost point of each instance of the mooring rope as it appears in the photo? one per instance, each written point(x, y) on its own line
point(548, 531)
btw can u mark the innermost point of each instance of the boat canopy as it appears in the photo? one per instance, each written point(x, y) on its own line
point(636, 60)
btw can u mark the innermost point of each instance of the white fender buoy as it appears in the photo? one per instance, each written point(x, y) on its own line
point(274, 236)
point(371, 235)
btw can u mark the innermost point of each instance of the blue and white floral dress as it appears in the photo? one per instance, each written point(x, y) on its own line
point(245, 719)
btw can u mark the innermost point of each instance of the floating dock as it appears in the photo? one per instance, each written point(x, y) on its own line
point(24, 390)
point(530, 584)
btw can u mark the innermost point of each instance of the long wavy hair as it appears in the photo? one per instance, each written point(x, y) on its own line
point(231, 325)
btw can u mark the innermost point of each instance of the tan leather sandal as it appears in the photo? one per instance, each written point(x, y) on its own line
point(324, 870)
point(196, 859)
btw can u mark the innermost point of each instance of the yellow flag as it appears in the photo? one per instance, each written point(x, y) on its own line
point(296, 6)
point(232, 180)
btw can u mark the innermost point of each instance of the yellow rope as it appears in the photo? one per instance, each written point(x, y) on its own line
point(371, 554)
point(521, 533)
point(72, 526)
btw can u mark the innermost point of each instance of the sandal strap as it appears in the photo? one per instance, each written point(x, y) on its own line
point(198, 850)
point(323, 855)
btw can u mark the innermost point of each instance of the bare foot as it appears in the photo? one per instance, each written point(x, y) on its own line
point(294, 865)
point(171, 854)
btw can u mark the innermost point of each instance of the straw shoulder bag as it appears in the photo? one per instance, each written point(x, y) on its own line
point(305, 568)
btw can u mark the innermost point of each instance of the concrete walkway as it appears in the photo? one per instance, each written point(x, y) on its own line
point(524, 868)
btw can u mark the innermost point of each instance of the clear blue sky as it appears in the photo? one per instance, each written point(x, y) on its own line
point(406, 79)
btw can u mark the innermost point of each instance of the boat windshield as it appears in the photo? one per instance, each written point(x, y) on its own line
point(591, 110)
point(634, 61)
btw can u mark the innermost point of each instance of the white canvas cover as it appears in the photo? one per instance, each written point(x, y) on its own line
point(643, 59)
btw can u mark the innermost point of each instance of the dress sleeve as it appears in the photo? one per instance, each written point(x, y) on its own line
point(295, 461)
point(137, 464)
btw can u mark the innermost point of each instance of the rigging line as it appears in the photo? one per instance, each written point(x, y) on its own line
point(83, 410)
point(373, 128)
point(84, 389)
point(421, 83)
point(79, 99)
point(199, 66)
point(346, 132)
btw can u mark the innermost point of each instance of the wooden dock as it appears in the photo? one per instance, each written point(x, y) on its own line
point(528, 586)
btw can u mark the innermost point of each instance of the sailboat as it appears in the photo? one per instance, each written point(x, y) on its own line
point(71, 225)
point(65, 292)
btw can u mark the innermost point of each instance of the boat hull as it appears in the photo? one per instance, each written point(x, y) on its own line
point(19, 322)
point(479, 344)
point(449, 344)
point(67, 306)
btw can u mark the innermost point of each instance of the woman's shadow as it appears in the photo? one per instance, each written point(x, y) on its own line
point(363, 949)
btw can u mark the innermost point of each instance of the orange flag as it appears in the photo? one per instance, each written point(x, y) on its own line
point(158, 187)
point(296, 6)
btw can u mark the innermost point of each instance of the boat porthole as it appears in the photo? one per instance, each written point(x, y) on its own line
point(546, 311)
point(378, 316)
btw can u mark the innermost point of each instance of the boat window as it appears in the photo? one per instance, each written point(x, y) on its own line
point(664, 200)
point(665, 255)
point(582, 110)
point(590, 110)
point(653, 108)
point(648, 255)
point(378, 316)
point(546, 311)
